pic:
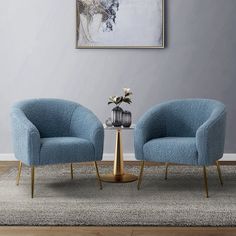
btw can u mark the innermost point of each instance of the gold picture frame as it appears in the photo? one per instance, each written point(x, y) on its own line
point(162, 46)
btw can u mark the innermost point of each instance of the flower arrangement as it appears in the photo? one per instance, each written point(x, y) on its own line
point(117, 100)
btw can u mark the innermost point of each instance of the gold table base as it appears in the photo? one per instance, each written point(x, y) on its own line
point(118, 175)
point(125, 178)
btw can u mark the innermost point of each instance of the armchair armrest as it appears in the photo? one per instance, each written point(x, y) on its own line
point(151, 125)
point(26, 138)
point(210, 138)
point(84, 124)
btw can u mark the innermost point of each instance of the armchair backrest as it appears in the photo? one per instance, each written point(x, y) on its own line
point(51, 117)
point(184, 117)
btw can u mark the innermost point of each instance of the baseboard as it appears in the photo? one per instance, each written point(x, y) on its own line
point(229, 157)
point(7, 157)
point(130, 157)
point(110, 157)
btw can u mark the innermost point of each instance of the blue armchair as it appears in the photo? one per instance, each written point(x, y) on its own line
point(53, 131)
point(190, 131)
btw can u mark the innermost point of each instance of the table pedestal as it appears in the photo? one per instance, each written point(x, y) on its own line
point(118, 175)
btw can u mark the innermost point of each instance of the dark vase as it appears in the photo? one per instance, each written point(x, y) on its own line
point(116, 116)
point(126, 118)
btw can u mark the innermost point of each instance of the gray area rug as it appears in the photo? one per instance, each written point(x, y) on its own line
point(179, 201)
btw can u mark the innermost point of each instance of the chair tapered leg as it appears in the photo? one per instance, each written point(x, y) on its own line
point(71, 171)
point(98, 176)
point(140, 175)
point(166, 172)
point(205, 180)
point(219, 172)
point(32, 181)
point(19, 173)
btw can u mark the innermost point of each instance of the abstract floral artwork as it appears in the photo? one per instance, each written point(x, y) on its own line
point(120, 23)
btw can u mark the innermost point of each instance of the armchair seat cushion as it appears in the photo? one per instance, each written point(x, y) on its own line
point(65, 150)
point(180, 150)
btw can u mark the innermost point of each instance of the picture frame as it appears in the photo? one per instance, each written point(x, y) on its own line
point(116, 26)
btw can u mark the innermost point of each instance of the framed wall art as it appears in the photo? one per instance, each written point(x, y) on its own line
point(120, 23)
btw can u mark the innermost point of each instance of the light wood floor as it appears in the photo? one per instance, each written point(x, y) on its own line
point(111, 231)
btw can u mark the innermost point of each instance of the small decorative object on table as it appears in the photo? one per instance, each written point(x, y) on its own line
point(126, 119)
point(108, 122)
point(116, 115)
point(120, 117)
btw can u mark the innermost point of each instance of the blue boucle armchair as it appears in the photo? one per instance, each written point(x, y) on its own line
point(189, 131)
point(54, 131)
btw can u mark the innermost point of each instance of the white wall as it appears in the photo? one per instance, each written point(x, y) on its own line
point(38, 59)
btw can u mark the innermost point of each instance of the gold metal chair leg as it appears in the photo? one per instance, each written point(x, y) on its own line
point(140, 175)
point(32, 181)
point(219, 172)
point(98, 176)
point(71, 171)
point(166, 172)
point(19, 173)
point(205, 180)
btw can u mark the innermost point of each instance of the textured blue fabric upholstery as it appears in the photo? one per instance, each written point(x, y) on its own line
point(189, 131)
point(51, 131)
point(63, 150)
point(171, 149)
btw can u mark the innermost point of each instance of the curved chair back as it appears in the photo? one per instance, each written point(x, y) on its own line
point(52, 117)
point(184, 117)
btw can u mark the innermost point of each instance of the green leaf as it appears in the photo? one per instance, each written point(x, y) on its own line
point(128, 94)
point(127, 100)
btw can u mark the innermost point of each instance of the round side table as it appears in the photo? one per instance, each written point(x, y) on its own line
point(118, 175)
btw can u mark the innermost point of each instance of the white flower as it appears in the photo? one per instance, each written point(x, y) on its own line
point(127, 91)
